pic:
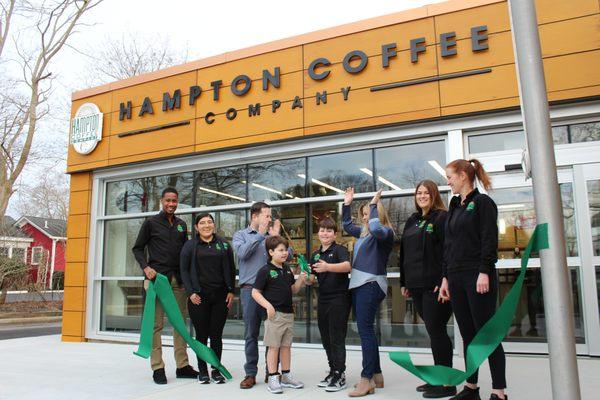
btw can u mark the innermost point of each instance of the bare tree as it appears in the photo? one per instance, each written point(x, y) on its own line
point(129, 56)
point(48, 197)
point(54, 22)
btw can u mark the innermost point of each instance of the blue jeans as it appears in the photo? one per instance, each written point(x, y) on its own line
point(253, 315)
point(365, 301)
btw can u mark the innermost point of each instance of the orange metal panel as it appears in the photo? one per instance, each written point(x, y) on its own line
point(77, 250)
point(77, 226)
point(75, 274)
point(74, 299)
point(72, 323)
point(79, 203)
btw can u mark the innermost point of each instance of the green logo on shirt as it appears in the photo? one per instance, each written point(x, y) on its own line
point(225, 246)
point(317, 257)
point(273, 274)
point(429, 228)
point(218, 247)
point(422, 224)
point(471, 206)
point(179, 228)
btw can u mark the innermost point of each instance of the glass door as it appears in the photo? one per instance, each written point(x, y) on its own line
point(516, 221)
point(587, 183)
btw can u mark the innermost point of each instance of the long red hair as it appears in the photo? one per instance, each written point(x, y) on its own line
point(473, 168)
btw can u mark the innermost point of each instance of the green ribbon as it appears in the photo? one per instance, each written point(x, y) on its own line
point(162, 288)
point(488, 337)
point(304, 267)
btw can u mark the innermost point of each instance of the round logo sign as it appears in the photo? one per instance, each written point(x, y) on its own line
point(86, 128)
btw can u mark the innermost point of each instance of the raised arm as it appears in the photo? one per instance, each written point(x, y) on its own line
point(245, 246)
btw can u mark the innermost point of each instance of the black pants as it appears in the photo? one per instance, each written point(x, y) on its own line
point(209, 319)
point(472, 310)
point(333, 313)
point(436, 316)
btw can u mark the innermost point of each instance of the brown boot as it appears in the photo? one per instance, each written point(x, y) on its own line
point(248, 382)
point(363, 388)
point(378, 379)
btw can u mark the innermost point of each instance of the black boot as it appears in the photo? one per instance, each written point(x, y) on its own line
point(437, 392)
point(186, 372)
point(159, 376)
point(467, 394)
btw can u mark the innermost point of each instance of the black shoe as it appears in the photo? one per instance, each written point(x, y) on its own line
point(159, 376)
point(437, 392)
point(217, 377)
point(326, 380)
point(495, 397)
point(467, 394)
point(337, 382)
point(186, 372)
point(424, 388)
point(203, 379)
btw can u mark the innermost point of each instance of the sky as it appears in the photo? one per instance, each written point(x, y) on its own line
point(202, 28)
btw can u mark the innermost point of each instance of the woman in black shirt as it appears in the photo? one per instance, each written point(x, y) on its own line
point(208, 274)
point(421, 254)
point(470, 253)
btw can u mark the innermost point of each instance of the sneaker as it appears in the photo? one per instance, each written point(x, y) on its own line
point(326, 380)
point(186, 372)
point(337, 383)
point(467, 394)
point(217, 377)
point(159, 376)
point(495, 397)
point(424, 388)
point(274, 386)
point(203, 379)
point(437, 392)
point(287, 380)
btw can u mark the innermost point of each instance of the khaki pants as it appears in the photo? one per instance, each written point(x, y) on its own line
point(181, 358)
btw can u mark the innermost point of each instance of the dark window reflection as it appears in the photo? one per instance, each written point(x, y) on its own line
point(220, 186)
point(516, 220)
point(402, 167)
point(143, 195)
point(585, 132)
point(277, 180)
point(332, 174)
point(529, 323)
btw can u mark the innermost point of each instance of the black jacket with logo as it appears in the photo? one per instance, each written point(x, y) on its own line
point(207, 266)
point(163, 242)
point(471, 234)
point(422, 250)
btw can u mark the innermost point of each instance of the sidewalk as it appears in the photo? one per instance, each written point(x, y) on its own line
point(46, 368)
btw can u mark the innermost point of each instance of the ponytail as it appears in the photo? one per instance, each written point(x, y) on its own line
point(474, 169)
point(483, 176)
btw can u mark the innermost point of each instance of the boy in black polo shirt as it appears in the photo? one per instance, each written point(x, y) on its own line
point(273, 290)
point(331, 265)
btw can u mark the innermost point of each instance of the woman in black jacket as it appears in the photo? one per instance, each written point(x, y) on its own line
point(421, 255)
point(470, 253)
point(208, 274)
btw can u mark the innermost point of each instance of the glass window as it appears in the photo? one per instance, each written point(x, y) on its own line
point(402, 167)
point(143, 195)
point(332, 174)
point(585, 132)
point(122, 306)
point(36, 255)
point(594, 202)
point(529, 322)
point(221, 186)
point(496, 142)
point(277, 180)
point(560, 134)
point(119, 238)
point(516, 219)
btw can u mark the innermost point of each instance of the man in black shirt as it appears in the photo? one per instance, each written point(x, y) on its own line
point(163, 236)
point(331, 263)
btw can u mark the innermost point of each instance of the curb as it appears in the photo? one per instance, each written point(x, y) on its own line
point(30, 320)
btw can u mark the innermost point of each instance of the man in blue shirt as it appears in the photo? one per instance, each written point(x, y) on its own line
point(251, 254)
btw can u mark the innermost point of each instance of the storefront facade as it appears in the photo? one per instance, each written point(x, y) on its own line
point(382, 103)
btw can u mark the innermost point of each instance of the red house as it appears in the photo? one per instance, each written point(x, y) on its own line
point(46, 254)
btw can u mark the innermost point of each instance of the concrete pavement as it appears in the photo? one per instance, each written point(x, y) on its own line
point(46, 368)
